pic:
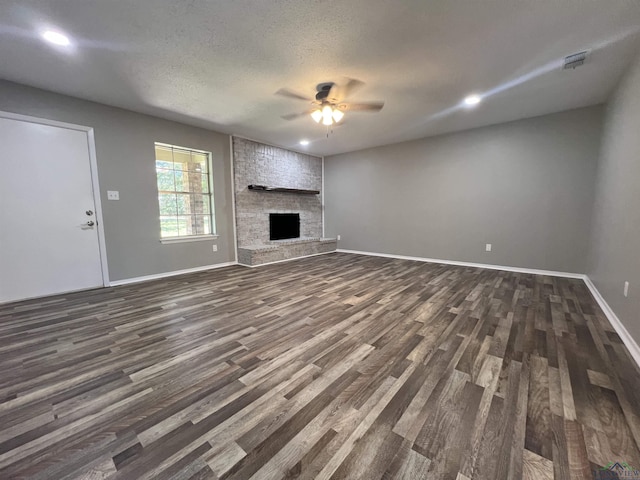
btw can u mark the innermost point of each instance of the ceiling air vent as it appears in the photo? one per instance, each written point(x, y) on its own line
point(575, 60)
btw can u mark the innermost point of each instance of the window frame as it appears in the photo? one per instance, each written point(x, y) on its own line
point(212, 216)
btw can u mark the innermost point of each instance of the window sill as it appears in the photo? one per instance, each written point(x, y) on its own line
point(194, 238)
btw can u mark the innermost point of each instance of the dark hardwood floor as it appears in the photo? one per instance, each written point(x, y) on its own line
point(336, 366)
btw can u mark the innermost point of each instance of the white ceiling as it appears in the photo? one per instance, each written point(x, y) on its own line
point(217, 64)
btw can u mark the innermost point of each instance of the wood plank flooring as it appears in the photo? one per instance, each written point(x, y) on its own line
point(336, 366)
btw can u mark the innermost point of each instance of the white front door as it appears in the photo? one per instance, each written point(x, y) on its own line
point(48, 234)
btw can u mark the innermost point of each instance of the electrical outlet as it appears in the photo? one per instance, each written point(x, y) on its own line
point(215, 248)
point(338, 237)
point(488, 247)
point(113, 195)
point(626, 289)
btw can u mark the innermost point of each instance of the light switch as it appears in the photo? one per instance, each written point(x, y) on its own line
point(113, 195)
point(488, 247)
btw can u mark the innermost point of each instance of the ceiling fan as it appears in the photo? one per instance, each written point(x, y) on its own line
point(329, 104)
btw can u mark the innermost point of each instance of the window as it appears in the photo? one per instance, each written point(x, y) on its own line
point(185, 192)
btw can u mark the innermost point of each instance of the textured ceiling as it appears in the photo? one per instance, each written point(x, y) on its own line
point(217, 64)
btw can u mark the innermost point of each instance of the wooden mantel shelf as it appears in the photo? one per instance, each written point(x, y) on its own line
point(264, 188)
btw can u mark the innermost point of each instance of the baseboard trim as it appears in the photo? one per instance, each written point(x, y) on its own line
point(620, 329)
point(157, 276)
point(286, 260)
point(532, 271)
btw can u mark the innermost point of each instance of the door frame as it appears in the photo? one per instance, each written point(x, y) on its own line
point(93, 170)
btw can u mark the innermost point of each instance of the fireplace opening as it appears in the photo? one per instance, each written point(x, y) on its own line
point(284, 225)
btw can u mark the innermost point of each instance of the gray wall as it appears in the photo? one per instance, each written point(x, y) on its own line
point(615, 240)
point(126, 162)
point(527, 187)
point(260, 164)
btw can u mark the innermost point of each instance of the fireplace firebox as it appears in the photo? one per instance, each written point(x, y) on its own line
point(284, 225)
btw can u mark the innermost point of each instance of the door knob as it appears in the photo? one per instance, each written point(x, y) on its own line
point(89, 213)
point(90, 223)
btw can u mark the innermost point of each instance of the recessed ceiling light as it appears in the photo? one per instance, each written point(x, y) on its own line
point(472, 100)
point(304, 142)
point(56, 38)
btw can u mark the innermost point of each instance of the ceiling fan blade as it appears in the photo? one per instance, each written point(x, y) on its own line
point(362, 107)
point(293, 116)
point(285, 92)
point(341, 92)
point(350, 87)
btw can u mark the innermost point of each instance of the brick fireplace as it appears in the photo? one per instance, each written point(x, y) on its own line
point(268, 166)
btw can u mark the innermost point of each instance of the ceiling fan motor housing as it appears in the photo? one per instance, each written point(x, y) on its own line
point(323, 90)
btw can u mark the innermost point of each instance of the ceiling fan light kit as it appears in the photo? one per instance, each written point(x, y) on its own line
point(317, 115)
point(328, 114)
